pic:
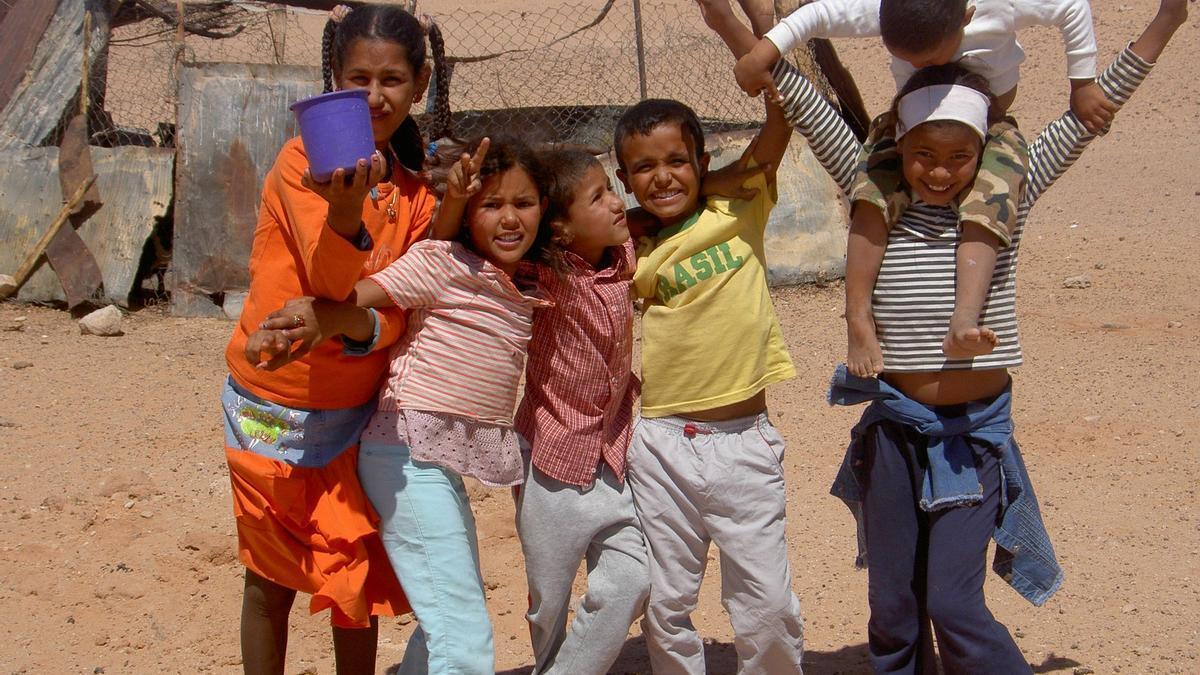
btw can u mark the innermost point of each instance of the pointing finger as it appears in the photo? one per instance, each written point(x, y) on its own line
point(480, 153)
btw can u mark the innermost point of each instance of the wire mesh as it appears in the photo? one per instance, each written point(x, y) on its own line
point(563, 72)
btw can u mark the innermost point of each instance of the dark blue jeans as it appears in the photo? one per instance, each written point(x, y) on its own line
point(928, 568)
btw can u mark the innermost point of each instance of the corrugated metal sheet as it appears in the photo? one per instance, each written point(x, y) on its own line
point(50, 88)
point(806, 234)
point(21, 28)
point(136, 184)
point(233, 118)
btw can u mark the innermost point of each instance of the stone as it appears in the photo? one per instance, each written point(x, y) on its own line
point(232, 305)
point(135, 482)
point(8, 285)
point(1114, 326)
point(22, 365)
point(1174, 324)
point(105, 321)
point(1080, 281)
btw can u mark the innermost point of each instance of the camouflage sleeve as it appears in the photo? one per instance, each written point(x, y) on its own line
point(879, 179)
point(993, 199)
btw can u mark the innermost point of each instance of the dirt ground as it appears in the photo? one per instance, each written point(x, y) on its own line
point(116, 533)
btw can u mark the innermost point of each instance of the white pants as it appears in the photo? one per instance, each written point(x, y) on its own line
point(560, 526)
point(720, 482)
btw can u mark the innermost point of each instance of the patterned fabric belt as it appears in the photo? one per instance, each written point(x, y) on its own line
point(307, 438)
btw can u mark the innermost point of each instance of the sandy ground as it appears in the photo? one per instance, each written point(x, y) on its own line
point(116, 535)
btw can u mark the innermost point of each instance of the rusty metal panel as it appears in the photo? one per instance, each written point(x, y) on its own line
point(49, 90)
point(136, 183)
point(233, 118)
point(21, 28)
point(806, 234)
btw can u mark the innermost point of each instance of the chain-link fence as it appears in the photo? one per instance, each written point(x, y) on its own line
point(562, 70)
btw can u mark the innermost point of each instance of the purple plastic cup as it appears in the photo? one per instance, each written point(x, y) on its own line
point(336, 131)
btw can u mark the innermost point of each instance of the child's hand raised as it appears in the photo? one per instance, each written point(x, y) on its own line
point(463, 181)
point(1091, 106)
point(346, 197)
point(729, 181)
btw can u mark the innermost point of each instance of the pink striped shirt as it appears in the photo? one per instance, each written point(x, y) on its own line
point(467, 335)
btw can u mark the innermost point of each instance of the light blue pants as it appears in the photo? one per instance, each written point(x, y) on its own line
point(427, 527)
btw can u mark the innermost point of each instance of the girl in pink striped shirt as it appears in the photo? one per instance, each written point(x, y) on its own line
point(446, 408)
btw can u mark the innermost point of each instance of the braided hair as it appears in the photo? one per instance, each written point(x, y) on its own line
point(391, 24)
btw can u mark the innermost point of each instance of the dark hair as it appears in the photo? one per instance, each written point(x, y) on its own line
point(949, 73)
point(565, 168)
point(646, 116)
point(391, 24)
point(917, 26)
point(511, 151)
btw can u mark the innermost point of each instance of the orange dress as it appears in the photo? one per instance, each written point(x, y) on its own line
point(311, 528)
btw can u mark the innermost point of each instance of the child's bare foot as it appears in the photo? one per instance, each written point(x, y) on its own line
point(864, 358)
point(966, 340)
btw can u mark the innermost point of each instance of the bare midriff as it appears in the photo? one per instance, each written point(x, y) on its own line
point(744, 408)
point(950, 387)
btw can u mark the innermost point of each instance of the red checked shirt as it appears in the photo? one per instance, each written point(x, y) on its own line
point(579, 383)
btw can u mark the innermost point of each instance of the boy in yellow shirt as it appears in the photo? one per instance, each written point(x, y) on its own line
point(705, 464)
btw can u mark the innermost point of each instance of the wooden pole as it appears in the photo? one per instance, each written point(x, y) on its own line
point(641, 48)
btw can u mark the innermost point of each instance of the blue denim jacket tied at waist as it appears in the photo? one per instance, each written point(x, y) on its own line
point(1024, 555)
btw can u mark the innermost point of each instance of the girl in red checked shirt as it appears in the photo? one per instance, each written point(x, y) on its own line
point(576, 421)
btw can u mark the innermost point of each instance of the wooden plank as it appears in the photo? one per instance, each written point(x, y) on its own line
point(233, 118)
point(136, 183)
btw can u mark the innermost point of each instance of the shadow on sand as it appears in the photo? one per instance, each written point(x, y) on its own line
point(721, 658)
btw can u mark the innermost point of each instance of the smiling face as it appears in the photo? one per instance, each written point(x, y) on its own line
point(503, 218)
point(939, 160)
point(383, 69)
point(596, 217)
point(663, 172)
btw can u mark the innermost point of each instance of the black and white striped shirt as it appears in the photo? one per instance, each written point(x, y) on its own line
point(914, 293)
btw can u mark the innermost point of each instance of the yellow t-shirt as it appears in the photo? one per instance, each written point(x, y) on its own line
point(709, 332)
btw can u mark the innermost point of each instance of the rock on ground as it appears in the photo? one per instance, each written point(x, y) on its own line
point(105, 321)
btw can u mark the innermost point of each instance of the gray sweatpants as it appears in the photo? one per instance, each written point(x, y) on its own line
point(561, 525)
point(696, 483)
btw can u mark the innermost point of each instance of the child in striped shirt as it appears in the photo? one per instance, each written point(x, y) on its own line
point(980, 35)
point(446, 408)
point(933, 472)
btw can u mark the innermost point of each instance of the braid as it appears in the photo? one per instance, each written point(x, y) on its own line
point(327, 54)
point(409, 145)
point(442, 125)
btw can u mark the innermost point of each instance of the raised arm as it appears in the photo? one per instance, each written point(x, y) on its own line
point(772, 140)
point(831, 140)
point(1073, 19)
point(1063, 140)
point(330, 240)
point(825, 19)
point(462, 183)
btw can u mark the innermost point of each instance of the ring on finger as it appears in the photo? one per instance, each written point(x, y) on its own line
point(297, 321)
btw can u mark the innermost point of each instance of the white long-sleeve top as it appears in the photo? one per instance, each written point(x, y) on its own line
point(989, 45)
